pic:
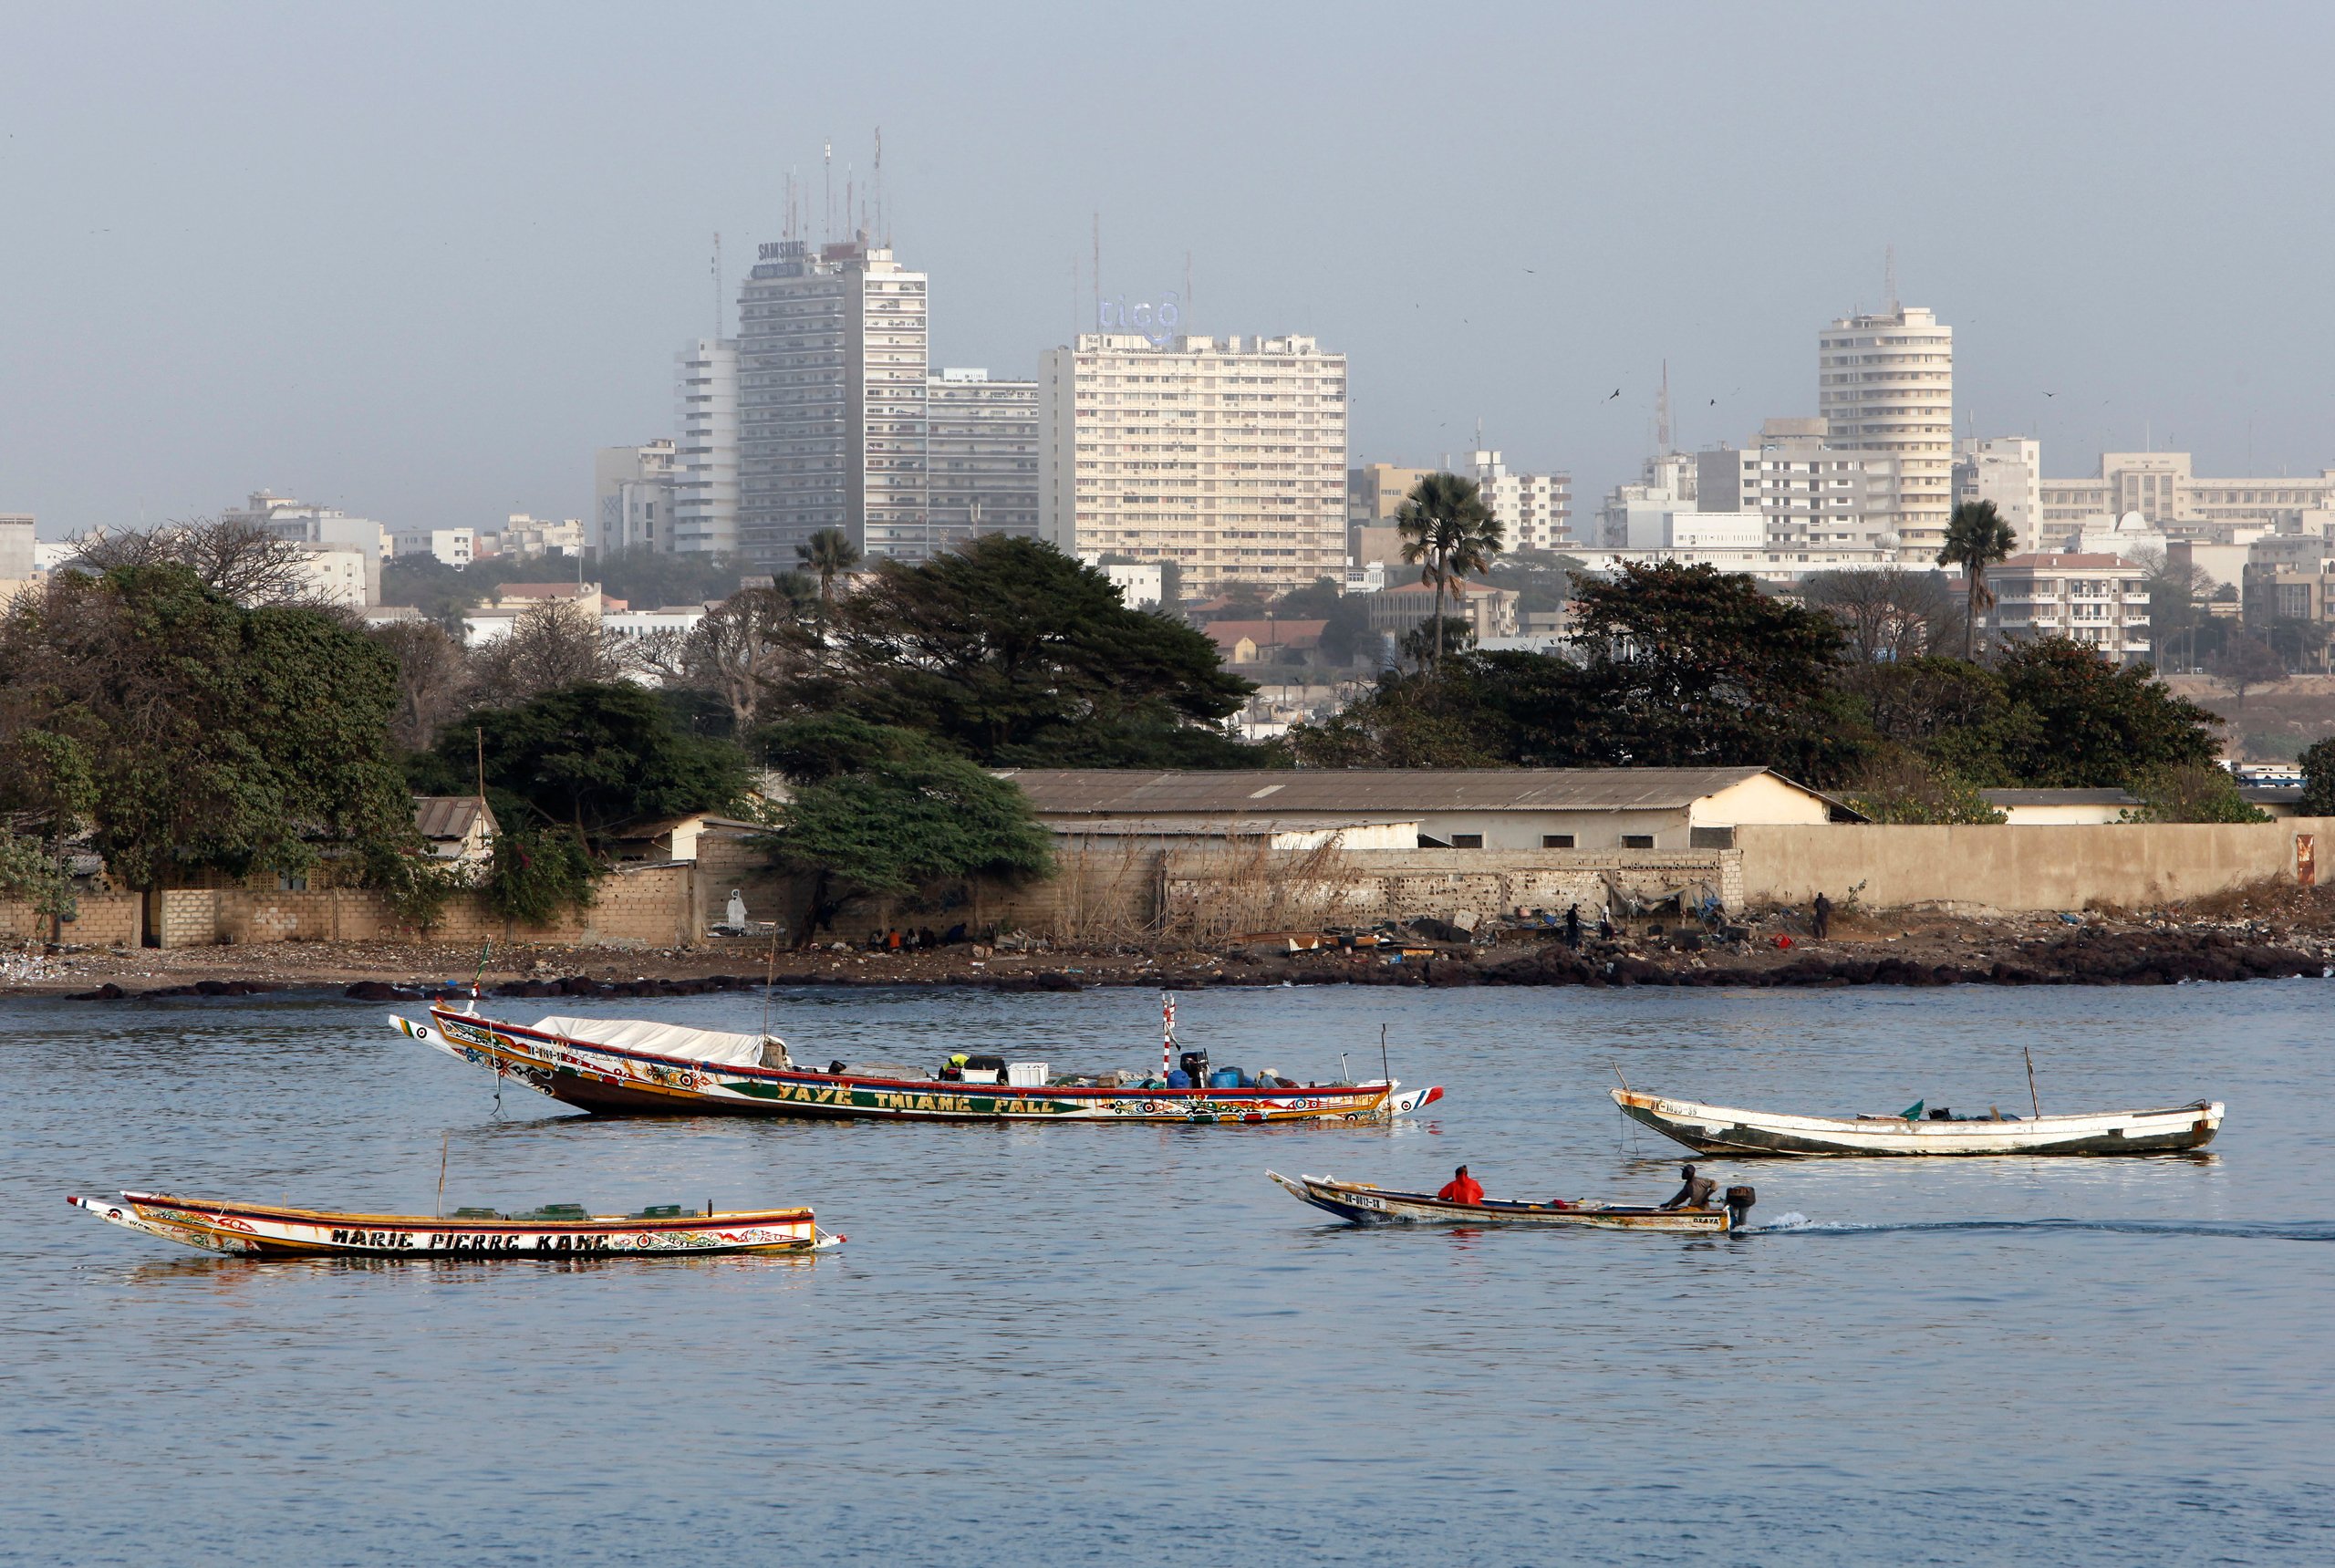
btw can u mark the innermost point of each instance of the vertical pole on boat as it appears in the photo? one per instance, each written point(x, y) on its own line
point(485, 948)
point(1382, 1066)
point(440, 1209)
point(2032, 1098)
point(1167, 1032)
point(770, 977)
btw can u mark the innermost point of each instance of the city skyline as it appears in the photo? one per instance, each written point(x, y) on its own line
point(189, 329)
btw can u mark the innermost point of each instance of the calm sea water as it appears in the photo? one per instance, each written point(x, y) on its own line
point(1122, 1345)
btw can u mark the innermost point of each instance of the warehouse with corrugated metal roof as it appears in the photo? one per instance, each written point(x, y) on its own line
point(1397, 808)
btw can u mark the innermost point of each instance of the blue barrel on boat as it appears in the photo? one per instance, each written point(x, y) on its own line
point(1224, 1078)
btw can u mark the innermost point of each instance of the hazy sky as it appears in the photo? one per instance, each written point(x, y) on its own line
point(418, 261)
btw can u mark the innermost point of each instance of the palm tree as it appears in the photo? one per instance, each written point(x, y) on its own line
point(1445, 525)
point(1975, 538)
point(829, 553)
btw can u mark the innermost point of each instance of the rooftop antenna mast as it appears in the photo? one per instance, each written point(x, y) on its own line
point(827, 228)
point(883, 235)
point(1188, 284)
point(1099, 270)
point(1661, 412)
point(717, 284)
point(1889, 306)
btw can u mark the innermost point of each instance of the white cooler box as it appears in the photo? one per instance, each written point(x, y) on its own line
point(1026, 1074)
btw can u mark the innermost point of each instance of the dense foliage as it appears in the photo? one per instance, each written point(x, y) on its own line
point(1011, 651)
point(1689, 667)
point(876, 809)
point(210, 736)
point(590, 756)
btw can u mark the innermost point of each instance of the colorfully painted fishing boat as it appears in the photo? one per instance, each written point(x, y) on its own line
point(620, 1067)
point(561, 1231)
point(1362, 1203)
point(1728, 1129)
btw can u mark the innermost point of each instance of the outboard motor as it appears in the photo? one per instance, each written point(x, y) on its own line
point(1738, 1206)
point(1195, 1066)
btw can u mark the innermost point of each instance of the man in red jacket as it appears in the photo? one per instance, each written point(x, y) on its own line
point(1461, 1189)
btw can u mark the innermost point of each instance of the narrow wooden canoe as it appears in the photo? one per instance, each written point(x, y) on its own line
point(622, 1067)
point(253, 1229)
point(1728, 1129)
point(1362, 1203)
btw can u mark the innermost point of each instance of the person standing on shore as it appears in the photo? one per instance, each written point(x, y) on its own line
point(1573, 926)
point(1821, 928)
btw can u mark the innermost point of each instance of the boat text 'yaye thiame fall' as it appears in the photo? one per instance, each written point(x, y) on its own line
point(623, 1067)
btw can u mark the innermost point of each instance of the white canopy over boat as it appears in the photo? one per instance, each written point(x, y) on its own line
point(668, 1040)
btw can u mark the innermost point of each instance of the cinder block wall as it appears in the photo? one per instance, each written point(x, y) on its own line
point(101, 920)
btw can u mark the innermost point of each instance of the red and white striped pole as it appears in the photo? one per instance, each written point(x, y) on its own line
point(1167, 1037)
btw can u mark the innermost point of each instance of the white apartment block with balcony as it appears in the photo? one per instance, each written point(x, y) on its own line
point(454, 546)
point(2098, 601)
point(525, 536)
point(1535, 509)
point(981, 458)
point(2009, 472)
point(1885, 387)
point(1668, 482)
point(1816, 498)
point(340, 576)
point(300, 523)
point(1226, 456)
point(832, 367)
point(705, 453)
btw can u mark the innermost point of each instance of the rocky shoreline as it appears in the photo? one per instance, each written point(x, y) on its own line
point(1937, 954)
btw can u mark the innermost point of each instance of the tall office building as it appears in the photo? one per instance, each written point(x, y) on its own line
point(832, 367)
point(981, 458)
point(1226, 456)
point(1885, 386)
point(705, 455)
point(1814, 495)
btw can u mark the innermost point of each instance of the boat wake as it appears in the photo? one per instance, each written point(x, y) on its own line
point(1796, 1223)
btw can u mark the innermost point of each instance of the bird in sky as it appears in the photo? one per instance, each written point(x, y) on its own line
point(1617, 393)
point(2050, 394)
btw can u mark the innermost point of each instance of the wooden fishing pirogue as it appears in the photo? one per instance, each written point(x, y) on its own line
point(1362, 1203)
point(562, 1232)
point(617, 1066)
point(1726, 1129)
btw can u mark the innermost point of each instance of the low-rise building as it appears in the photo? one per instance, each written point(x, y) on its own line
point(339, 575)
point(1267, 641)
point(2098, 601)
point(459, 829)
point(1489, 611)
point(301, 523)
point(18, 555)
point(2298, 594)
point(454, 546)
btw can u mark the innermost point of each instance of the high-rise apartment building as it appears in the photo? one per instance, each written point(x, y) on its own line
point(15, 548)
point(1535, 509)
point(981, 458)
point(1226, 456)
point(1885, 386)
point(2009, 472)
point(832, 400)
point(705, 454)
point(632, 496)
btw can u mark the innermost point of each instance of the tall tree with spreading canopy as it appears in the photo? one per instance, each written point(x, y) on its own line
point(1449, 533)
point(1010, 650)
point(1975, 538)
point(878, 810)
point(213, 736)
point(1689, 665)
point(591, 757)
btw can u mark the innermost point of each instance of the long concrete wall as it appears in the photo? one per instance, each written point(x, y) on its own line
point(2060, 866)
